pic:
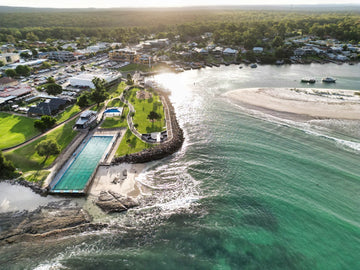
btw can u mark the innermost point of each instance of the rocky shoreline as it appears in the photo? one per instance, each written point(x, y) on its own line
point(160, 151)
point(55, 220)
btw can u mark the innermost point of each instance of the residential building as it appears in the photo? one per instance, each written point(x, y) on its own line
point(8, 58)
point(258, 49)
point(50, 106)
point(124, 55)
point(229, 51)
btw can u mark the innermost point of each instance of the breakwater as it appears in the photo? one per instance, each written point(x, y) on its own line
point(162, 150)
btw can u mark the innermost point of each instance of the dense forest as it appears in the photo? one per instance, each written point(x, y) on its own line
point(230, 26)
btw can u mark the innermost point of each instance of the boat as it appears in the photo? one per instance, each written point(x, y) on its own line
point(253, 65)
point(308, 80)
point(328, 80)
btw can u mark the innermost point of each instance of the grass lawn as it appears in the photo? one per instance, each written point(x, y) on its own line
point(115, 103)
point(116, 121)
point(36, 176)
point(131, 144)
point(97, 108)
point(116, 91)
point(133, 67)
point(68, 113)
point(143, 107)
point(26, 159)
point(15, 129)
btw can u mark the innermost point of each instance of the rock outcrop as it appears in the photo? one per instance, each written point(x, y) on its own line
point(111, 202)
point(57, 219)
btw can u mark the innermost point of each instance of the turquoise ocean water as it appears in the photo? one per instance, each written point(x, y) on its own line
point(246, 191)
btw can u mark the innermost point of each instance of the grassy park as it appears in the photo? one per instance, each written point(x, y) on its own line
point(67, 113)
point(15, 129)
point(116, 102)
point(131, 144)
point(26, 159)
point(142, 109)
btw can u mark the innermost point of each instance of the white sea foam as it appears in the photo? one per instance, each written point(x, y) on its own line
point(309, 127)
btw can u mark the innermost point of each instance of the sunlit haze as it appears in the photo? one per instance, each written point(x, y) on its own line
point(161, 3)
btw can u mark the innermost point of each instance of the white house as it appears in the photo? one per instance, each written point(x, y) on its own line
point(229, 51)
point(258, 49)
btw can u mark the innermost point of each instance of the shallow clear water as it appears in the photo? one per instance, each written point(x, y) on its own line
point(79, 172)
point(246, 191)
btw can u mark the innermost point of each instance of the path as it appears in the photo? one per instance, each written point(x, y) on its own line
point(132, 109)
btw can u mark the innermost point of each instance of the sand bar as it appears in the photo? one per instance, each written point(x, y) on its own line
point(311, 102)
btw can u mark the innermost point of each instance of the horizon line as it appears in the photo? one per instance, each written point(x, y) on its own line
point(186, 6)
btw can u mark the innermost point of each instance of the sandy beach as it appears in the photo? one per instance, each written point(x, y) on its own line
point(307, 102)
point(120, 179)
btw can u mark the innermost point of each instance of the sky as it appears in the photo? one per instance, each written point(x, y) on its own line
point(160, 3)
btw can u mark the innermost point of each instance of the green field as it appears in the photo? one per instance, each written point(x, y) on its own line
point(26, 159)
point(116, 121)
point(68, 113)
point(133, 67)
point(142, 109)
point(15, 129)
point(131, 144)
point(116, 91)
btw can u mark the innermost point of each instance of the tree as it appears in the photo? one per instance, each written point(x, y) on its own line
point(82, 68)
point(83, 101)
point(45, 65)
point(47, 148)
point(277, 42)
point(7, 168)
point(46, 122)
point(129, 80)
point(53, 89)
point(99, 94)
point(25, 55)
point(23, 70)
point(50, 80)
point(153, 116)
point(2, 63)
point(31, 36)
point(10, 73)
point(34, 53)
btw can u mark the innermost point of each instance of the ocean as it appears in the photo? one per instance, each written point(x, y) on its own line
point(246, 191)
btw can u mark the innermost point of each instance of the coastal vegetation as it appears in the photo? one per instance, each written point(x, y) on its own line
point(7, 168)
point(15, 129)
point(27, 159)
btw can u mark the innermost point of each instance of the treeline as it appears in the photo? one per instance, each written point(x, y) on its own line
point(230, 27)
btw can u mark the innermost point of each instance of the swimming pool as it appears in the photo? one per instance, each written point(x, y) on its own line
point(80, 171)
point(114, 111)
